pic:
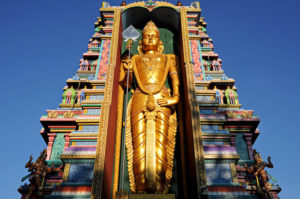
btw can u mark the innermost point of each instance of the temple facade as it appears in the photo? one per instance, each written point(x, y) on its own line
point(213, 156)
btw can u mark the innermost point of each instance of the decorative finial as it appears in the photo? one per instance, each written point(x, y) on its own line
point(150, 26)
point(179, 3)
point(123, 3)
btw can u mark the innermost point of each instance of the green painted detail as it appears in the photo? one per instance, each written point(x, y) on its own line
point(91, 105)
point(99, 58)
point(231, 96)
point(95, 49)
point(220, 161)
point(76, 184)
point(243, 162)
point(241, 147)
point(69, 96)
point(206, 49)
point(54, 162)
point(79, 160)
point(58, 146)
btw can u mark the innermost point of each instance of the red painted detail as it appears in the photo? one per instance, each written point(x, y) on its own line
point(226, 189)
point(111, 129)
point(198, 72)
point(73, 189)
point(104, 59)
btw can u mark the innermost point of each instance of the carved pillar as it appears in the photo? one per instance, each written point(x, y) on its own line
point(67, 140)
point(248, 138)
point(50, 144)
point(195, 153)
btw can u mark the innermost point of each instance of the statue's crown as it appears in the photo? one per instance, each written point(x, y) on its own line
point(150, 26)
point(255, 153)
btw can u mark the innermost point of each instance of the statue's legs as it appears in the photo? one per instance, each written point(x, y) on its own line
point(139, 144)
point(149, 166)
point(161, 142)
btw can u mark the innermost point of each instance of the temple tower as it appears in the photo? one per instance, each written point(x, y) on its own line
point(215, 136)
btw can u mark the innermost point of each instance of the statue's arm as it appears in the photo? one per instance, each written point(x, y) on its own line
point(125, 70)
point(269, 164)
point(248, 170)
point(173, 72)
point(29, 163)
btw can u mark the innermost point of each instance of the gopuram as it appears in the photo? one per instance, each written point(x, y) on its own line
point(149, 113)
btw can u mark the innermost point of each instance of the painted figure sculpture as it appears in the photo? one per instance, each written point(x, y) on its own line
point(38, 171)
point(258, 170)
point(151, 121)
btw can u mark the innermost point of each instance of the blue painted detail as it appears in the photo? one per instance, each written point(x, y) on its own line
point(82, 172)
point(207, 111)
point(208, 77)
point(102, 87)
point(215, 132)
point(224, 77)
point(92, 77)
point(99, 57)
point(199, 87)
point(241, 147)
point(94, 111)
point(76, 77)
point(219, 143)
point(58, 147)
point(218, 173)
point(92, 143)
point(90, 128)
point(202, 67)
point(83, 196)
point(84, 132)
point(96, 97)
point(206, 127)
point(201, 98)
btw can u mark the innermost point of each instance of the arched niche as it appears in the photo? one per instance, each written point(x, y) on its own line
point(165, 18)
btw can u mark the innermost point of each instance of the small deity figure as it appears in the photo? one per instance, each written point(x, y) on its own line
point(151, 122)
point(258, 170)
point(38, 171)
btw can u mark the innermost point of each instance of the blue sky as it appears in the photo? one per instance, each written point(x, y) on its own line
point(41, 43)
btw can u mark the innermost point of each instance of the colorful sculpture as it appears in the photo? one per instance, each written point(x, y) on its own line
point(38, 171)
point(151, 129)
point(258, 170)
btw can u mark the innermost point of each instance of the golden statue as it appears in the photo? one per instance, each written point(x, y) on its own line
point(151, 122)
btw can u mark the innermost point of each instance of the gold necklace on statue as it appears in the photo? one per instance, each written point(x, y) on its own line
point(150, 65)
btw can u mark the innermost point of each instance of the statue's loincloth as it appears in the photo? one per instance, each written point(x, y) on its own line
point(136, 133)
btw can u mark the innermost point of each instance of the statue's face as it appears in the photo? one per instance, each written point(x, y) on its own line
point(256, 159)
point(150, 40)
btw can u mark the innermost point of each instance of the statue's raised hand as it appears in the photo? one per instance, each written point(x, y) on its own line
point(127, 64)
